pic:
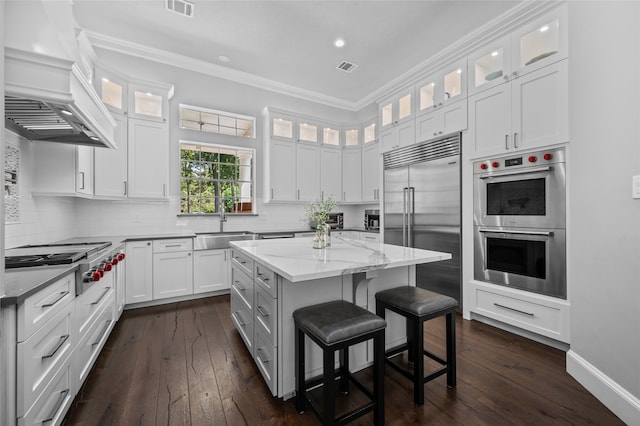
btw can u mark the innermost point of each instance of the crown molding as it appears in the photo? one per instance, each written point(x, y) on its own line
point(181, 61)
point(498, 27)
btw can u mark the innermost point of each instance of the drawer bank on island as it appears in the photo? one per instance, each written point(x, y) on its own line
point(272, 278)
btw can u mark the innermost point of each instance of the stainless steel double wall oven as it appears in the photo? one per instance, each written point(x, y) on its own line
point(520, 221)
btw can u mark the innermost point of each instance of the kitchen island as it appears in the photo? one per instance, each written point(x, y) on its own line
point(272, 278)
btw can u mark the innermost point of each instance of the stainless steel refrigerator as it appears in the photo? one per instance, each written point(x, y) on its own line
point(422, 208)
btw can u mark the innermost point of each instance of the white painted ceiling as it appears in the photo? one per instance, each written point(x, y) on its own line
point(291, 42)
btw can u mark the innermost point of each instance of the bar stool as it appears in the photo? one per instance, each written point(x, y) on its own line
point(417, 306)
point(334, 326)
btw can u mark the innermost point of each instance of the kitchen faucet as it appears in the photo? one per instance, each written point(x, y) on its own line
point(223, 216)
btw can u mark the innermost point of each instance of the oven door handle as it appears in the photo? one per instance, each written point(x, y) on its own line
point(495, 231)
point(517, 172)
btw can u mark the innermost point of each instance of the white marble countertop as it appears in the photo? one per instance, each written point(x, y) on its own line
point(296, 260)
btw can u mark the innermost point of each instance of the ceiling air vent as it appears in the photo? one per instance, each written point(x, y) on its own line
point(347, 66)
point(183, 7)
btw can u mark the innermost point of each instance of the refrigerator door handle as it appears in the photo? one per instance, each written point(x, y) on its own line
point(412, 209)
point(405, 193)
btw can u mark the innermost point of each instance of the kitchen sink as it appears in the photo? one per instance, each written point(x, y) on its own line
point(220, 240)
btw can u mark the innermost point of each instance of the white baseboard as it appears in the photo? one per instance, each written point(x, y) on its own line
point(622, 403)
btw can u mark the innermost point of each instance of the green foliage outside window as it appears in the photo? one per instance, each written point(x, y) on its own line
point(211, 174)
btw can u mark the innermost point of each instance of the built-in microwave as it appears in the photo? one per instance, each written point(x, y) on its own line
point(372, 219)
point(336, 220)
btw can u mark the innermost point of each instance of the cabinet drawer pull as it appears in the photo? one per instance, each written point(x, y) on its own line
point(59, 298)
point(239, 319)
point(173, 245)
point(515, 140)
point(55, 350)
point(263, 277)
point(514, 310)
point(506, 141)
point(261, 311)
point(106, 290)
point(102, 333)
point(58, 406)
point(262, 360)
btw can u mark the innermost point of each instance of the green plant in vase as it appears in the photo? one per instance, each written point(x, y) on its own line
point(317, 213)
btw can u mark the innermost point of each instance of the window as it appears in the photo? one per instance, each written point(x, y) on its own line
point(212, 121)
point(211, 175)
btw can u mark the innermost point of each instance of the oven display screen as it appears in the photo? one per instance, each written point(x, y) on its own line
point(513, 162)
point(523, 257)
point(517, 198)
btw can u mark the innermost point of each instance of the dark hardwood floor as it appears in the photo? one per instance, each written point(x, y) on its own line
point(184, 364)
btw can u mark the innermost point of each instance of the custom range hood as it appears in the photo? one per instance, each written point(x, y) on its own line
point(49, 99)
point(48, 71)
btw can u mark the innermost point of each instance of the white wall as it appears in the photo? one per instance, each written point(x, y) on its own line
point(603, 219)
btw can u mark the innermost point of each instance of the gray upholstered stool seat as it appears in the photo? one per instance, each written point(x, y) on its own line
point(334, 326)
point(418, 305)
point(334, 322)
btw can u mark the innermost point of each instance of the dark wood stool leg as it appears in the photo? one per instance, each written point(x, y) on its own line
point(378, 378)
point(451, 349)
point(329, 386)
point(418, 364)
point(301, 391)
point(411, 332)
point(344, 370)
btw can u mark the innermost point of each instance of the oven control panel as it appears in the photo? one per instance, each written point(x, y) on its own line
point(519, 161)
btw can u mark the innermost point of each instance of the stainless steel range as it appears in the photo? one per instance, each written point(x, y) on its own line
point(93, 258)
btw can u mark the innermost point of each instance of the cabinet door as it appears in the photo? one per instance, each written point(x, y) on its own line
point(172, 274)
point(331, 173)
point(403, 134)
point(148, 102)
point(110, 165)
point(307, 172)
point(490, 121)
point(139, 272)
point(352, 175)
point(84, 169)
point(428, 125)
point(210, 271)
point(55, 168)
point(282, 171)
point(541, 107)
point(453, 118)
point(148, 149)
point(370, 173)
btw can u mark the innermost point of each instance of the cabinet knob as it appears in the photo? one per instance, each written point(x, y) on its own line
point(514, 74)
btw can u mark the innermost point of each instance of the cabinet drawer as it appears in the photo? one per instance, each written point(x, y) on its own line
point(173, 244)
point(243, 261)
point(367, 236)
point(89, 303)
point(42, 306)
point(90, 345)
point(266, 278)
point(42, 355)
point(265, 356)
point(532, 316)
point(266, 314)
point(243, 285)
point(242, 318)
point(52, 405)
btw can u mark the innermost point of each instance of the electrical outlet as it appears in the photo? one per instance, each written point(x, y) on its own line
point(636, 187)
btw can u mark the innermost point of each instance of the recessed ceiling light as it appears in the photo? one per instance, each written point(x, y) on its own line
point(339, 43)
point(223, 58)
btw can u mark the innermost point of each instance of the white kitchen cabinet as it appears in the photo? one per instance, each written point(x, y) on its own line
point(149, 101)
point(112, 88)
point(308, 131)
point(351, 135)
point(441, 121)
point(282, 171)
point(371, 173)
point(120, 285)
point(148, 159)
point(172, 268)
point(331, 173)
point(110, 165)
point(84, 169)
point(282, 127)
point(369, 236)
point(535, 45)
point(210, 270)
point(446, 86)
point(307, 172)
point(396, 109)
point(402, 134)
point(352, 175)
point(529, 111)
point(139, 271)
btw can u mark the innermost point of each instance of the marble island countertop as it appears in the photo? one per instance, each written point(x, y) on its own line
point(296, 260)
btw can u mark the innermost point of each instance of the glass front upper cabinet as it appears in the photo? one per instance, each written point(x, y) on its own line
point(112, 90)
point(148, 101)
point(396, 109)
point(448, 85)
point(352, 137)
point(282, 128)
point(307, 132)
point(330, 136)
point(369, 133)
point(540, 43)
